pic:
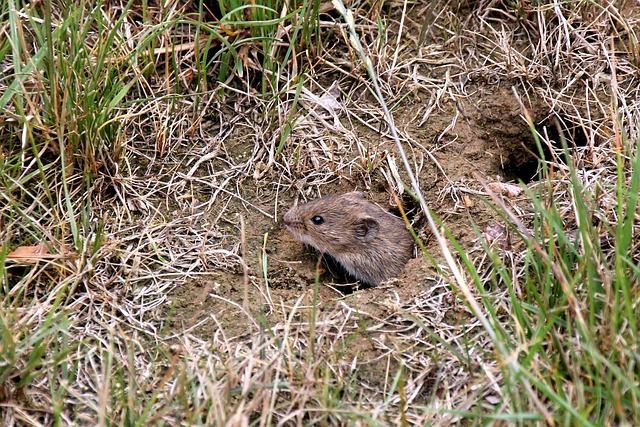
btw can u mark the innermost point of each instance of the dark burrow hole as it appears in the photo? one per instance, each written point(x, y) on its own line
point(522, 161)
point(409, 205)
point(339, 278)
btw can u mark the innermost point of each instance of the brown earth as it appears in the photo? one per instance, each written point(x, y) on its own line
point(450, 142)
point(489, 138)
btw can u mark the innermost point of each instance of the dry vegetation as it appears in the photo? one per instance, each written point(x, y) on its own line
point(148, 151)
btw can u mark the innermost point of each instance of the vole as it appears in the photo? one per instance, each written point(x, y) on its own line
point(371, 244)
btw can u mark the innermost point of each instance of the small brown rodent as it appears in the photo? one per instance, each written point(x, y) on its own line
point(371, 244)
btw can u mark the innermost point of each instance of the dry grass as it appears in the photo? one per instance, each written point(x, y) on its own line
point(131, 181)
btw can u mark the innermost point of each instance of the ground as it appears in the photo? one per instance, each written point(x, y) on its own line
point(198, 279)
point(489, 137)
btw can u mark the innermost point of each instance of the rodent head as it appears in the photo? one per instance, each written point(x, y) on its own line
point(370, 244)
point(336, 224)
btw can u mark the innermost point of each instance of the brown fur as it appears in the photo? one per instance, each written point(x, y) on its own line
point(370, 243)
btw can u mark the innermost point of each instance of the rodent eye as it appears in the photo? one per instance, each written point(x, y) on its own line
point(317, 220)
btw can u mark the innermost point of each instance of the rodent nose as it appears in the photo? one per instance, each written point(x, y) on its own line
point(292, 221)
point(289, 218)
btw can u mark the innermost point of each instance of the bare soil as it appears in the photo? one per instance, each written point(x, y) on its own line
point(460, 124)
point(489, 138)
point(184, 242)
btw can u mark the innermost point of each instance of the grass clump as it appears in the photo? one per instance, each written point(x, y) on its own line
point(570, 313)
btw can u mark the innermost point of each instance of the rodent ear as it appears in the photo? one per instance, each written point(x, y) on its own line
point(367, 228)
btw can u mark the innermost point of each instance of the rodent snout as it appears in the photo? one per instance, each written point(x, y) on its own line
point(291, 220)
